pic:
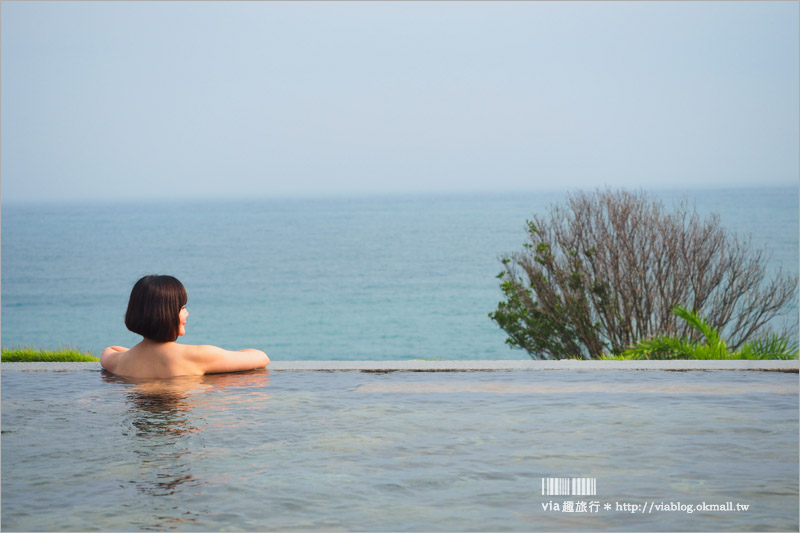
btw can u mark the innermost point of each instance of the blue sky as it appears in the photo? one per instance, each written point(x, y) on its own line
point(129, 100)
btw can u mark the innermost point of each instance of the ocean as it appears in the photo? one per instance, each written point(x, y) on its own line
point(317, 278)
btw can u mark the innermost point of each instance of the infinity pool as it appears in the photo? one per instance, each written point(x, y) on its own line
point(400, 451)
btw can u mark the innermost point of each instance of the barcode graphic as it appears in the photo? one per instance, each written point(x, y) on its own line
point(569, 486)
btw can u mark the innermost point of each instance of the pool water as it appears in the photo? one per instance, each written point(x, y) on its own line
point(400, 451)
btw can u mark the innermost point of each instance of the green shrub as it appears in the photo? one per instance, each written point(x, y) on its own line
point(663, 347)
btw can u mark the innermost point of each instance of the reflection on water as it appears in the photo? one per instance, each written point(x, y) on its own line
point(164, 424)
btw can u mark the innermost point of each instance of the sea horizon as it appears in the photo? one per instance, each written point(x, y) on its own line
point(371, 277)
point(91, 201)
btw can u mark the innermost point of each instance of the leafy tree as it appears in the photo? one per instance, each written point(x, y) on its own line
point(607, 269)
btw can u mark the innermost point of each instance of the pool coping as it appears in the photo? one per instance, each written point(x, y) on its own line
point(417, 365)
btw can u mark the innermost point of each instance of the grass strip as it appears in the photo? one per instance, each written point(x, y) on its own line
point(31, 355)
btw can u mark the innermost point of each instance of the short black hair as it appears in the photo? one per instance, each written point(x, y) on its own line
point(154, 308)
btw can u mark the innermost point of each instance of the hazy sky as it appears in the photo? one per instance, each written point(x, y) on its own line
point(106, 100)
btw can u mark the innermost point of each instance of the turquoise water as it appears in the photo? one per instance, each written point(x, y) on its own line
point(325, 279)
point(404, 451)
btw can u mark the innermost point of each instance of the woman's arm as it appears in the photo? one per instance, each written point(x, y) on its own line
point(109, 356)
point(212, 360)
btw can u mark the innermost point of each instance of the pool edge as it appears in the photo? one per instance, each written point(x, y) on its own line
point(466, 366)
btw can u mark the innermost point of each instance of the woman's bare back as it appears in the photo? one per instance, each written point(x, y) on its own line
point(150, 359)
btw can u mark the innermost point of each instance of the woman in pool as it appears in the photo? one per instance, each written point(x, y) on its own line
point(157, 312)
